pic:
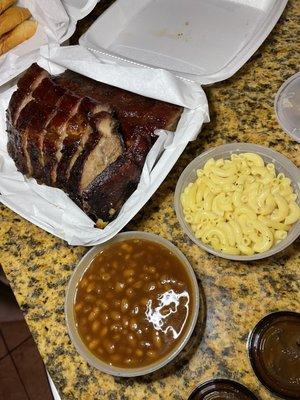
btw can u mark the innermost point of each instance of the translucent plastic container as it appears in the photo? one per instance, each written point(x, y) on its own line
point(287, 106)
point(282, 164)
point(197, 304)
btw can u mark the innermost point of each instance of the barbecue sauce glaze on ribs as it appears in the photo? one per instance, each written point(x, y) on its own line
point(84, 137)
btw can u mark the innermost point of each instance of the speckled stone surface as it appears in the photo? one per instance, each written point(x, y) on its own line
point(39, 265)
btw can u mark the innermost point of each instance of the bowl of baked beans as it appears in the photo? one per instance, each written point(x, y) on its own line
point(132, 304)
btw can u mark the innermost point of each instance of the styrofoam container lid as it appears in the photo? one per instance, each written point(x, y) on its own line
point(204, 40)
point(287, 106)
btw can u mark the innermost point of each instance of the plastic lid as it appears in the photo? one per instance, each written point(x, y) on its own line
point(222, 389)
point(287, 106)
point(274, 350)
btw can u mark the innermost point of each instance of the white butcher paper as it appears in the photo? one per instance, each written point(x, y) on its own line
point(78, 9)
point(50, 208)
point(56, 23)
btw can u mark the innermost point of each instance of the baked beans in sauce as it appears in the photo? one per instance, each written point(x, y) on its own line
point(133, 303)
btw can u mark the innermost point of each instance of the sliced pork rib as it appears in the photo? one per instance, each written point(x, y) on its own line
point(102, 148)
point(56, 132)
point(131, 109)
point(78, 131)
point(85, 137)
point(106, 194)
point(17, 136)
point(26, 85)
point(35, 136)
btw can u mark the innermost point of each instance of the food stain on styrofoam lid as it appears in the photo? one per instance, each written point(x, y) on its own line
point(178, 34)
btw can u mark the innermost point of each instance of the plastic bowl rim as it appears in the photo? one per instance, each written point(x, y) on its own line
point(78, 272)
point(234, 148)
point(276, 108)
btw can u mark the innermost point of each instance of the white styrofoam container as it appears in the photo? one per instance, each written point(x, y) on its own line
point(203, 40)
point(56, 23)
point(157, 48)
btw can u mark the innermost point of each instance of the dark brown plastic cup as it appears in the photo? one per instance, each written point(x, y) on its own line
point(222, 389)
point(274, 351)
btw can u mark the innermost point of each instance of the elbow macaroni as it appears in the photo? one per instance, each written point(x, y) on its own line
point(240, 206)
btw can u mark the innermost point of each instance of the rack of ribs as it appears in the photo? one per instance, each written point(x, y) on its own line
point(84, 137)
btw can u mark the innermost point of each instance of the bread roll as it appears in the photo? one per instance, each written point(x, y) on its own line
point(4, 4)
point(13, 17)
point(18, 35)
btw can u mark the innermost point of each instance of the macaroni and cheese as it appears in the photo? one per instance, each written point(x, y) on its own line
point(240, 205)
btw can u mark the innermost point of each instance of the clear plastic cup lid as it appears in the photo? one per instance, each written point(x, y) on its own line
point(287, 106)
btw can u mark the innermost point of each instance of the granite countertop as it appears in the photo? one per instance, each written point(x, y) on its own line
point(39, 265)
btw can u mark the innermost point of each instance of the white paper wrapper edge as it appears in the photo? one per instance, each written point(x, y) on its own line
point(78, 13)
point(50, 208)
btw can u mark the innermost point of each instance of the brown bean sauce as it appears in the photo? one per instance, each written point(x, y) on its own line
point(133, 303)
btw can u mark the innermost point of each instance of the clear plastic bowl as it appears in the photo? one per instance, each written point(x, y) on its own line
point(287, 106)
point(71, 293)
point(282, 164)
